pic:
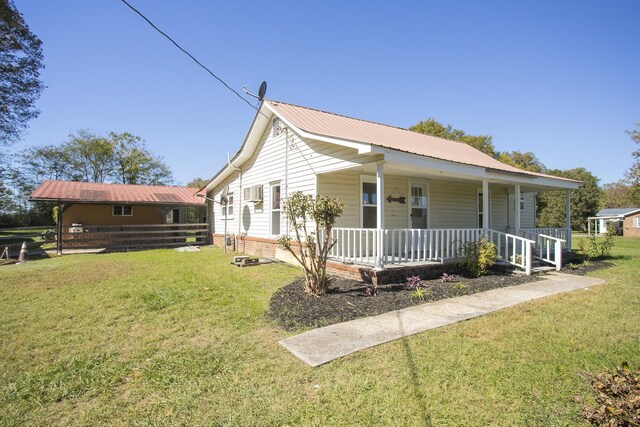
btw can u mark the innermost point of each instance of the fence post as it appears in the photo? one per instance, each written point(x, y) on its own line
point(558, 251)
point(527, 253)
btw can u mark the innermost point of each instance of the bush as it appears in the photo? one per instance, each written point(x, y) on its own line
point(301, 210)
point(598, 248)
point(478, 256)
point(617, 398)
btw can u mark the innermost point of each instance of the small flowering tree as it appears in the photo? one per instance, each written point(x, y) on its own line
point(301, 210)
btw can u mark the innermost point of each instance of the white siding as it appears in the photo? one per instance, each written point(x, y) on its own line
point(499, 217)
point(527, 215)
point(346, 186)
point(453, 205)
point(267, 165)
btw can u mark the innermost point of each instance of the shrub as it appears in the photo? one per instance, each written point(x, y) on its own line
point(413, 282)
point(598, 248)
point(478, 256)
point(617, 398)
point(301, 210)
point(420, 293)
point(449, 278)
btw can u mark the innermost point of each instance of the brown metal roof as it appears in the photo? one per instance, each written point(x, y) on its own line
point(91, 192)
point(347, 128)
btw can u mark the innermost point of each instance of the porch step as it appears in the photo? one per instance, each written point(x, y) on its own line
point(535, 270)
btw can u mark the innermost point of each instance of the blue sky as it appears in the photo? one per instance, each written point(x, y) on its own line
point(558, 78)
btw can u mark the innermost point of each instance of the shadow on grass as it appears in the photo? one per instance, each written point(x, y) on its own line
point(418, 394)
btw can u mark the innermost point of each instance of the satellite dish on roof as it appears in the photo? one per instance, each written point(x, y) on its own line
point(261, 91)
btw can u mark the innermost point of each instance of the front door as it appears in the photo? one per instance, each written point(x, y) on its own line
point(418, 205)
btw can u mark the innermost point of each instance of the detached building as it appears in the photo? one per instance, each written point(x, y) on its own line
point(121, 216)
point(625, 220)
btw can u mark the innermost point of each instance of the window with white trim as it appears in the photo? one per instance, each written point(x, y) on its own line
point(122, 210)
point(636, 222)
point(369, 200)
point(275, 209)
point(227, 211)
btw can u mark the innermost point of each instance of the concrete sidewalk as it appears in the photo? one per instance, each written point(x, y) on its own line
point(323, 345)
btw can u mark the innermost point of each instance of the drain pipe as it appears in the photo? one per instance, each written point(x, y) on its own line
point(235, 237)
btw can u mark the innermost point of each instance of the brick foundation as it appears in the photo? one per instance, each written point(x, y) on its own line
point(269, 248)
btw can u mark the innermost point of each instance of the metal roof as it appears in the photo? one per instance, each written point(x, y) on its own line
point(91, 192)
point(350, 129)
point(618, 212)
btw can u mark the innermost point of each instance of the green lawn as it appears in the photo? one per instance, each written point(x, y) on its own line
point(168, 338)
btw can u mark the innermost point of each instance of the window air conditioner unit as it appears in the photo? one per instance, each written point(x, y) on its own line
point(253, 193)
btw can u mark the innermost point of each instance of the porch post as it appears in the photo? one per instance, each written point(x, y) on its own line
point(485, 204)
point(568, 218)
point(380, 213)
point(59, 230)
point(517, 210)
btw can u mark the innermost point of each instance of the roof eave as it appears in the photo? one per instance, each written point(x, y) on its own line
point(260, 120)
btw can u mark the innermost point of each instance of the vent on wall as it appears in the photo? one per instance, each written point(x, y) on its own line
point(276, 127)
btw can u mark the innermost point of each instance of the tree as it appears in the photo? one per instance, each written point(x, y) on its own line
point(432, 127)
point(134, 164)
point(617, 195)
point(46, 162)
point(118, 157)
point(633, 174)
point(585, 201)
point(197, 182)
point(20, 65)
point(301, 210)
point(89, 157)
point(527, 161)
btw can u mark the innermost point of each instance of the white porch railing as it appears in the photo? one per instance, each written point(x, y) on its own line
point(515, 250)
point(556, 233)
point(400, 246)
point(549, 249)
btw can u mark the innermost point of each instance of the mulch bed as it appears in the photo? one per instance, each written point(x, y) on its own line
point(346, 300)
point(581, 267)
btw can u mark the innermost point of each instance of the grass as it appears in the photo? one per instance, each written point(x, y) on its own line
point(165, 338)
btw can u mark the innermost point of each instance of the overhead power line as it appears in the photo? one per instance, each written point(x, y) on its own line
point(189, 55)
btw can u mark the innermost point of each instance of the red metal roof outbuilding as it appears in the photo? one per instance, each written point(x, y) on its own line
point(91, 192)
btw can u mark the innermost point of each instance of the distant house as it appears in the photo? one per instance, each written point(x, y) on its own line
point(411, 199)
point(626, 221)
point(95, 214)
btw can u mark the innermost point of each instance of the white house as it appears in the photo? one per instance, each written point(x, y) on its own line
point(411, 199)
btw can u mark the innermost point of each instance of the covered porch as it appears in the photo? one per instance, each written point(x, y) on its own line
point(402, 214)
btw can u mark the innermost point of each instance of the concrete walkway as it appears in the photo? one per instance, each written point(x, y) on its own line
point(323, 345)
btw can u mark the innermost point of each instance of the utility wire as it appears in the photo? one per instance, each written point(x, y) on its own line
point(189, 55)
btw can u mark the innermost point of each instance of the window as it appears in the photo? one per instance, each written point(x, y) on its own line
point(418, 206)
point(481, 209)
point(636, 222)
point(173, 217)
point(227, 211)
point(369, 204)
point(521, 203)
point(275, 209)
point(121, 210)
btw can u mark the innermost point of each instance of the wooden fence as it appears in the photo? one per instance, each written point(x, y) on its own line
point(124, 237)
